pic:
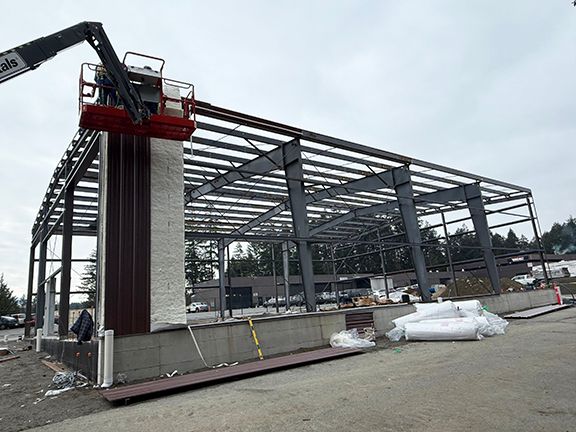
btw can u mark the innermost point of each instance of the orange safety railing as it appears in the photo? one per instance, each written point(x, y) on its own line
point(91, 93)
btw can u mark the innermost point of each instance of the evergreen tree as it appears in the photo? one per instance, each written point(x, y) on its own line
point(465, 245)
point(435, 253)
point(242, 263)
point(512, 241)
point(88, 280)
point(561, 239)
point(8, 302)
point(198, 261)
point(498, 241)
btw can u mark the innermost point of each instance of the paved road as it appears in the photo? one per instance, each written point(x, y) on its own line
point(523, 381)
point(12, 334)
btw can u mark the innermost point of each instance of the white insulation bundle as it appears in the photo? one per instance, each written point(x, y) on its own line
point(449, 330)
point(465, 320)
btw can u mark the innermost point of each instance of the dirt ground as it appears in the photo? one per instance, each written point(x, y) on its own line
point(521, 381)
point(24, 381)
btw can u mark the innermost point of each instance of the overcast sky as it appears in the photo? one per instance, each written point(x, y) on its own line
point(487, 87)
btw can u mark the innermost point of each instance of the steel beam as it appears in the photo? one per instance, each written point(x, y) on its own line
point(317, 151)
point(261, 165)
point(209, 110)
point(441, 196)
point(405, 194)
point(76, 172)
point(293, 168)
point(371, 183)
point(476, 208)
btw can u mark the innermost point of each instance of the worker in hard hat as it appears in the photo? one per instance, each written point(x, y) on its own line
point(106, 91)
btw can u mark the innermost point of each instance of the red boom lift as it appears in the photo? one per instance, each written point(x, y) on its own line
point(122, 98)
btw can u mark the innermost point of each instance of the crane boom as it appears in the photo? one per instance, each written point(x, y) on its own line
point(29, 56)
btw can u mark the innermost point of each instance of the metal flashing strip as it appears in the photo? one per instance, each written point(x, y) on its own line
point(531, 313)
point(214, 376)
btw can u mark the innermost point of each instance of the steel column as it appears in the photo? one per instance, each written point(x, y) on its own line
point(449, 252)
point(41, 290)
point(227, 255)
point(538, 241)
point(335, 276)
point(67, 228)
point(31, 262)
point(476, 208)
point(295, 183)
point(383, 264)
point(274, 277)
point(222, 279)
point(286, 271)
point(403, 187)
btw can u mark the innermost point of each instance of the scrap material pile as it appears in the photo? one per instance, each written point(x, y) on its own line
point(465, 320)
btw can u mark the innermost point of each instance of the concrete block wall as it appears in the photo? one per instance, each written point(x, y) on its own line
point(516, 301)
point(150, 355)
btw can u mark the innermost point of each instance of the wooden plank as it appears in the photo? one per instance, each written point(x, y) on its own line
point(531, 313)
point(55, 367)
point(213, 376)
point(5, 359)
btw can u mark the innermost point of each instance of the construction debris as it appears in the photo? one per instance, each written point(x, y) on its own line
point(466, 320)
point(65, 381)
point(479, 286)
point(6, 354)
point(54, 366)
point(350, 339)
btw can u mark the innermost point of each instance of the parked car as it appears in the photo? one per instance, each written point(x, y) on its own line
point(326, 297)
point(524, 279)
point(7, 322)
point(198, 307)
point(271, 302)
point(296, 300)
point(20, 317)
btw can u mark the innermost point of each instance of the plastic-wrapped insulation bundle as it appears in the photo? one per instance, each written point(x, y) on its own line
point(442, 331)
point(466, 307)
point(428, 311)
point(481, 322)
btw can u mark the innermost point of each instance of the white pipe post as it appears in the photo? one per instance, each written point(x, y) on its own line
point(108, 359)
point(38, 340)
point(100, 374)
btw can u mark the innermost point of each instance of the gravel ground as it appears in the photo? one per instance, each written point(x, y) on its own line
point(522, 381)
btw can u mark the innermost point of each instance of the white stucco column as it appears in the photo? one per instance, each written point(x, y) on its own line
point(167, 295)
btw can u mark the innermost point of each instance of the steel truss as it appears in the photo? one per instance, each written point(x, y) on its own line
point(251, 179)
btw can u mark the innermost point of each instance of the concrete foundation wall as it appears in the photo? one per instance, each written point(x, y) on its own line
point(83, 358)
point(150, 355)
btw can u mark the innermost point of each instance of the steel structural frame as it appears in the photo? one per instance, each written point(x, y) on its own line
point(240, 185)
